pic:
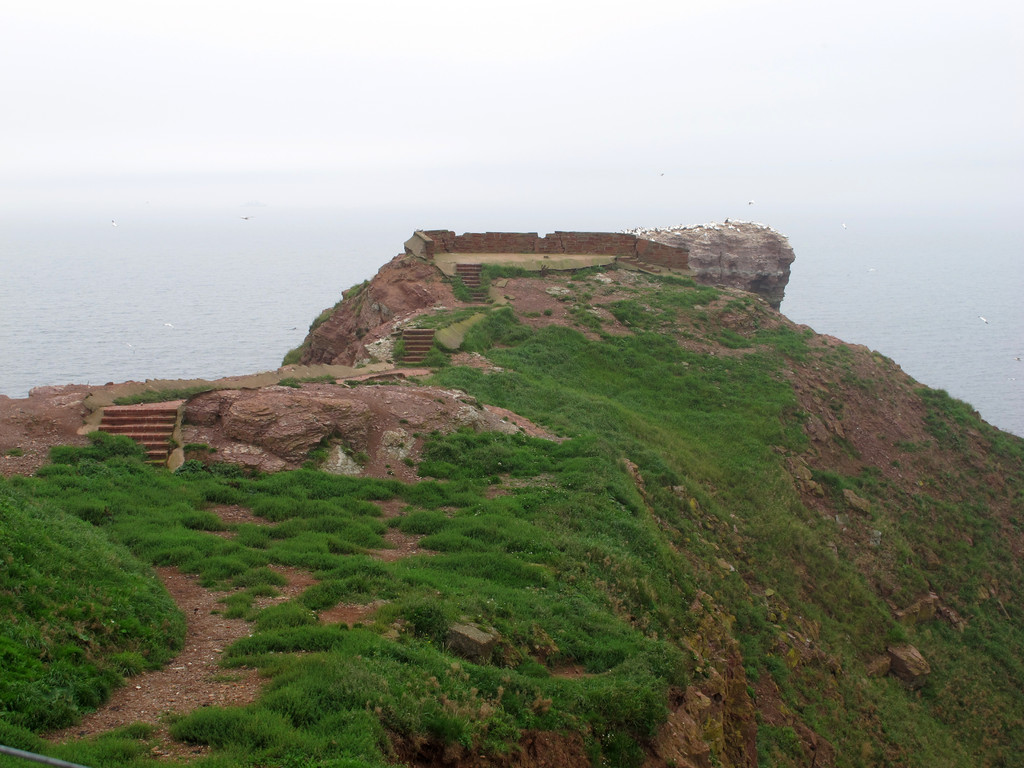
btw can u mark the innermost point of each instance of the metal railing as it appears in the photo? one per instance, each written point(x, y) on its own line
point(38, 758)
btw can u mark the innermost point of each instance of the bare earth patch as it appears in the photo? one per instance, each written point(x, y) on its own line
point(30, 426)
point(571, 672)
point(234, 514)
point(350, 613)
point(402, 545)
point(392, 507)
point(298, 581)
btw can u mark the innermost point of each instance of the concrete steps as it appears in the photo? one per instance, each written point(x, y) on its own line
point(150, 425)
point(418, 342)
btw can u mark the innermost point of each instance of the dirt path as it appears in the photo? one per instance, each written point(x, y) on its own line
point(193, 679)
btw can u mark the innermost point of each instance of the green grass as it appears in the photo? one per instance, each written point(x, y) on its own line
point(296, 383)
point(77, 613)
point(515, 563)
point(163, 395)
point(555, 547)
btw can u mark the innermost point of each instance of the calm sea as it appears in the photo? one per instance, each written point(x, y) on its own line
point(206, 294)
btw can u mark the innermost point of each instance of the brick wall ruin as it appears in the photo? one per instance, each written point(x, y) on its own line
point(427, 243)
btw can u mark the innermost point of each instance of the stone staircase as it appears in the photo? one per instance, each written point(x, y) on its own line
point(470, 275)
point(418, 341)
point(150, 425)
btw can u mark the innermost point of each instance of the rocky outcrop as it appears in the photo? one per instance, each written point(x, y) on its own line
point(715, 716)
point(367, 312)
point(275, 428)
point(733, 254)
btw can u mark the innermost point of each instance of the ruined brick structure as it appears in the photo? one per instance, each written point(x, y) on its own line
point(426, 244)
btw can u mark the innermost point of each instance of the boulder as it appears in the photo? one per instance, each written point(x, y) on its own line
point(907, 664)
point(285, 422)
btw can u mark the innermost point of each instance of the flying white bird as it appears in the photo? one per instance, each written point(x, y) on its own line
point(844, 225)
point(168, 325)
point(982, 319)
point(113, 223)
point(246, 217)
point(750, 202)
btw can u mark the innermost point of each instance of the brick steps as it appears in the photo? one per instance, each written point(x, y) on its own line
point(418, 342)
point(149, 425)
point(470, 276)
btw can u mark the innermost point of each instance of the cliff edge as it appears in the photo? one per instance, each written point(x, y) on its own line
point(733, 254)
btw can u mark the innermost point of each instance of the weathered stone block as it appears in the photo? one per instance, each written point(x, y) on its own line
point(472, 643)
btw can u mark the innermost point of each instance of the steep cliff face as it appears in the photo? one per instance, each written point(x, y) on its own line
point(367, 312)
point(733, 254)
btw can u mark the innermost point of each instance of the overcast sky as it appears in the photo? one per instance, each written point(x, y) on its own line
point(509, 103)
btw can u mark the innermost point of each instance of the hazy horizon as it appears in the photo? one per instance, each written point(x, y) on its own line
point(660, 112)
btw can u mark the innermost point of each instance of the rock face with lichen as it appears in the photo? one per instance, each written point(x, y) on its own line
point(733, 254)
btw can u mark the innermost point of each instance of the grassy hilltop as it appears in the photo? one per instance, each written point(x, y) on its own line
point(709, 567)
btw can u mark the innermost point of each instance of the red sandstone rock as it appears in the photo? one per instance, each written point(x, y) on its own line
point(402, 287)
point(275, 428)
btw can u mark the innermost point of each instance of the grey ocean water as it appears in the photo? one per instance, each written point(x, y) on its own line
point(940, 297)
point(189, 294)
point(170, 294)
